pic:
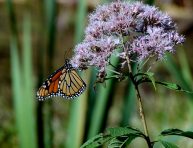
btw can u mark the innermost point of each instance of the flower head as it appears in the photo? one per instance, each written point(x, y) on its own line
point(148, 32)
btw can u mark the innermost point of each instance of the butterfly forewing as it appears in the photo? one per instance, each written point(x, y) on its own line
point(64, 82)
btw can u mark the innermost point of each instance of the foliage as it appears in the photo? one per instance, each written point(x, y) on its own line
point(119, 137)
point(116, 137)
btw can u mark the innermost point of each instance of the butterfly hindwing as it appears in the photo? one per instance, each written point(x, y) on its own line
point(70, 86)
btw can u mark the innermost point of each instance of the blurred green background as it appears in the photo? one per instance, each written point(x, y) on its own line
point(36, 36)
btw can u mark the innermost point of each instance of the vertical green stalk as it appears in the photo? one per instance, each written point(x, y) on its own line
point(47, 124)
point(186, 71)
point(50, 12)
point(128, 107)
point(78, 107)
point(129, 100)
point(17, 92)
point(13, 24)
point(77, 118)
point(91, 101)
point(80, 20)
point(22, 84)
point(40, 32)
point(102, 96)
point(29, 103)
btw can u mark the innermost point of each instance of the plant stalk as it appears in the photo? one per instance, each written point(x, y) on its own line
point(141, 111)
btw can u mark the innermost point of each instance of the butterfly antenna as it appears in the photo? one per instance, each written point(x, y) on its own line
point(67, 54)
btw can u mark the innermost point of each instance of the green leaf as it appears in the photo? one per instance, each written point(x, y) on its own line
point(168, 144)
point(120, 141)
point(177, 132)
point(146, 77)
point(120, 131)
point(150, 75)
point(118, 137)
point(96, 141)
point(172, 86)
point(122, 136)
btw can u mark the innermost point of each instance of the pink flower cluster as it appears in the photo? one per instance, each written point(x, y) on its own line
point(148, 32)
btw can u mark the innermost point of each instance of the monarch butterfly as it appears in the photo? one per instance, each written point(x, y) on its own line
point(64, 82)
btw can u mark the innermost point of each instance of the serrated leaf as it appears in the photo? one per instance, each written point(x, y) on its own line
point(177, 132)
point(120, 131)
point(168, 144)
point(117, 136)
point(118, 142)
point(122, 136)
point(121, 141)
point(96, 141)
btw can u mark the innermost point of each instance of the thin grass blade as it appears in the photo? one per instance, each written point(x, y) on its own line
point(28, 86)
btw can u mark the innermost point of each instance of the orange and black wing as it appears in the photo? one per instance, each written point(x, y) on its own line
point(50, 87)
point(63, 82)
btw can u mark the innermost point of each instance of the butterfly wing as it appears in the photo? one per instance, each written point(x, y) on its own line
point(63, 82)
point(50, 87)
point(71, 84)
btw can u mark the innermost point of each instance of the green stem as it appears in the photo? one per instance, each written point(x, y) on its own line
point(141, 111)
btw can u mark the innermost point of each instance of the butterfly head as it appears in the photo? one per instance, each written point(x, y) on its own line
point(67, 64)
